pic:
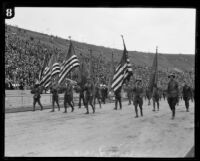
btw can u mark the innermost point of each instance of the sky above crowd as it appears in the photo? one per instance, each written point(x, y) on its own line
point(171, 29)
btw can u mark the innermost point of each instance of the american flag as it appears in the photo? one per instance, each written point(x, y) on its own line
point(70, 63)
point(122, 72)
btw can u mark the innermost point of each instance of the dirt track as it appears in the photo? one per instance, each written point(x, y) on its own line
point(105, 133)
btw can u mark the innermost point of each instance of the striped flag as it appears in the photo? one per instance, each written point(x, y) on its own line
point(50, 72)
point(123, 71)
point(46, 79)
point(70, 63)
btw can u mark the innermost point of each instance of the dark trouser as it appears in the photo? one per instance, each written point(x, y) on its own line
point(99, 100)
point(138, 101)
point(118, 99)
point(103, 97)
point(186, 99)
point(68, 99)
point(129, 98)
point(155, 101)
point(81, 97)
point(35, 100)
point(172, 101)
point(55, 99)
point(89, 100)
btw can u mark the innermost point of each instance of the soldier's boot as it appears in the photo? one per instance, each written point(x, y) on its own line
point(141, 112)
point(173, 114)
point(93, 108)
point(65, 110)
point(41, 108)
point(87, 112)
point(72, 109)
point(136, 112)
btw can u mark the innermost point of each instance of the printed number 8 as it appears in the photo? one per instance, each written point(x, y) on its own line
point(9, 12)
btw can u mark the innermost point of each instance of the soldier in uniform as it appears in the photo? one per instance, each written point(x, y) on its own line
point(138, 96)
point(103, 91)
point(68, 96)
point(148, 95)
point(36, 97)
point(129, 93)
point(172, 93)
point(155, 97)
point(187, 95)
point(118, 98)
point(89, 94)
point(97, 94)
point(81, 96)
point(55, 96)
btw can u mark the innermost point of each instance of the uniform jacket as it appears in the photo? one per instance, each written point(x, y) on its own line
point(187, 91)
point(89, 88)
point(69, 90)
point(138, 91)
point(172, 89)
point(36, 91)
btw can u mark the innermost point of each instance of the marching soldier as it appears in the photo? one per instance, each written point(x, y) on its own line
point(155, 97)
point(89, 94)
point(103, 91)
point(81, 96)
point(138, 96)
point(55, 96)
point(187, 95)
point(118, 98)
point(129, 93)
point(68, 96)
point(97, 94)
point(148, 95)
point(172, 93)
point(36, 97)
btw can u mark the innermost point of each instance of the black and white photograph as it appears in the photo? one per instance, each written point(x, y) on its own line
point(100, 82)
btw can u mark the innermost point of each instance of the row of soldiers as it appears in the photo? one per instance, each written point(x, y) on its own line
point(173, 94)
point(89, 92)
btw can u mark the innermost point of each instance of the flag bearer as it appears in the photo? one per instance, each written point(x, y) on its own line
point(55, 96)
point(118, 98)
point(89, 94)
point(68, 96)
point(155, 97)
point(172, 93)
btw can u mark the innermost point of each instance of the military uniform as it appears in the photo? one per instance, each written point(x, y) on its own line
point(138, 97)
point(149, 96)
point(129, 94)
point(156, 98)
point(36, 97)
point(89, 95)
point(97, 95)
point(118, 98)
point(187, 95)
point(68, 97)
point(55, 96)
point(81, 96)
point(172, 94)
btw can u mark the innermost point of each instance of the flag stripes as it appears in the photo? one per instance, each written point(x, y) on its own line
point(68, 65)
point(55, 69)
point(46, 77)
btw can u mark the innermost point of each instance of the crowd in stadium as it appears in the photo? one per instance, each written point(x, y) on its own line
point(24, 59)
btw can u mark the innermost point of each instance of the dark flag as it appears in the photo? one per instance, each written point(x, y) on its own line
point(123, 72)
point(154, 73)
point(71, 62)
